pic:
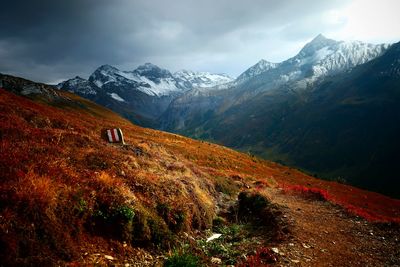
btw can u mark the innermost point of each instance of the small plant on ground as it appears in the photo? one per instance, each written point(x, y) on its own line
point(263, 258)
point(182, 259)
point(226, 186)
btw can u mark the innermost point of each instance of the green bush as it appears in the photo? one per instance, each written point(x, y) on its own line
point(182, 260)
point(124, 212)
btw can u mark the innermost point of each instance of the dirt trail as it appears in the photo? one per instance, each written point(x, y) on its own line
point(324, 235)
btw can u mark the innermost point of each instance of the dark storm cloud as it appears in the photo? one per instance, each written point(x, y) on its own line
point(48, 40)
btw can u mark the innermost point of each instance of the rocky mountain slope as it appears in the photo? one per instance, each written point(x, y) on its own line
point(320, 58)
point(70, 198)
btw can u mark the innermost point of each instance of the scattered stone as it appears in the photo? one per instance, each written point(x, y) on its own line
point(291, 244)
point(295, 261)
point(214, 236)
point(108, 257)
point(216, 260)
point(306, 246)
point(275, 250)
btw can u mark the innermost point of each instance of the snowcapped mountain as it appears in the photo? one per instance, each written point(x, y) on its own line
point(146, 91)
point(148, 78)
point(260, 67)
point(79, 86)
point(317, 60)
point(323, 56)
point(191, 79)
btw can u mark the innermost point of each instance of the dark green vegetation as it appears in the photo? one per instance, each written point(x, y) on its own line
point(182, 260)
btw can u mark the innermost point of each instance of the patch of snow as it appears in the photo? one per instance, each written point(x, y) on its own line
point(201, 79)
point(117, 97)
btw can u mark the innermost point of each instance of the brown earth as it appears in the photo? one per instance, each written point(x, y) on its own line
point(325, 235)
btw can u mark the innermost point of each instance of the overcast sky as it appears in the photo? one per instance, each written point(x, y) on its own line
point(49, 40)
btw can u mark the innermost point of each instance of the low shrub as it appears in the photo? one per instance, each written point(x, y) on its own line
point(174, 218)
point(257, 209)
point(226, 186)
point(115, 222)
point(182, 259)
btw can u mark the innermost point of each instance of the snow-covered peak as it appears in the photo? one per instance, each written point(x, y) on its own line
point(107, 68)
point(148, 78)
point(103, 74)
point(318, 58)
point(316, 44)
point(323, 56)
point(260, 67)
point(79, 85)
point(193, 79)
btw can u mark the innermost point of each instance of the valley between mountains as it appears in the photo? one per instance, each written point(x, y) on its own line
point(70, 198)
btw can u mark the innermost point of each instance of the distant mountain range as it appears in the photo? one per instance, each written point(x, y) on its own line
point(331, 110)
point(143, 94)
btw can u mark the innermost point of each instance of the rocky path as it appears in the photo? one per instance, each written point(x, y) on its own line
point(324, 235)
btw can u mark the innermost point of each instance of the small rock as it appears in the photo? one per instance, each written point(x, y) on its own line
point(291, 244)
point(295, 261)
point(108, 257)
point(306, 246)
point(216, 260)
point(214, 236)
point(275, 250)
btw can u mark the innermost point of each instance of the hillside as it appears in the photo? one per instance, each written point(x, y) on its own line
point(342, 126)
point(67, 197)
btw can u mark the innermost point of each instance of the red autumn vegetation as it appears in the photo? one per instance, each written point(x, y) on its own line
point(323, 195)
point(262, 258)
point(64, 191)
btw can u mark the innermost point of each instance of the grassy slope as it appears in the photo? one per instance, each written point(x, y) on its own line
point(65, 191)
